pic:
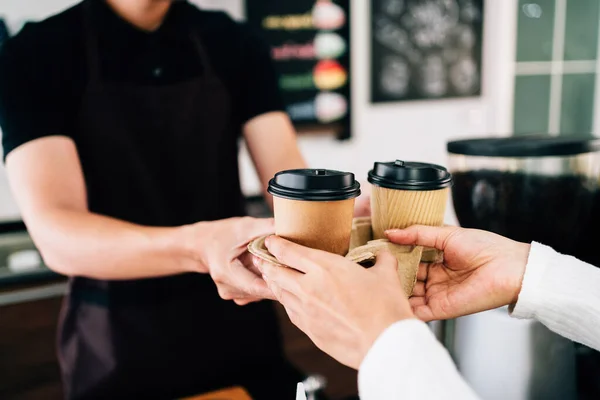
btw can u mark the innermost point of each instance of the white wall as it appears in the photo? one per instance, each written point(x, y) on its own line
point(410, 130)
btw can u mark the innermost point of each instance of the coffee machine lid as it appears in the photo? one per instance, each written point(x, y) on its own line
point(525, 146)
point(314, 185)
point(407, 175)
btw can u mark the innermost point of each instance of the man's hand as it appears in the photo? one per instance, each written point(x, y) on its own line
point(362, 205)
point(480, 271)
point(340, 305)
point(223, 254)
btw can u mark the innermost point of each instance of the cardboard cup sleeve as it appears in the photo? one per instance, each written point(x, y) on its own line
point(364, 251)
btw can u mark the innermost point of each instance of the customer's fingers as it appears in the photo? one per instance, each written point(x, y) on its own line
point(299, 257)
point(423, 272)
point(281, 277)
point(386, 263)
point(421, 235)
point(293, 308)
point(416, 301)
point(424, 313)
point(419, 289)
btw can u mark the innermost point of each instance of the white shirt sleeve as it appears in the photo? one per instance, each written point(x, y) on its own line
point(407, 362)
point(562, 293)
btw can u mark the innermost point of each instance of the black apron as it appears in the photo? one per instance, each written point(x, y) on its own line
point(163, 338)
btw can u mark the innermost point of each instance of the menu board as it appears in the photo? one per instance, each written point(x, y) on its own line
point(425, 49)
point(310, 41)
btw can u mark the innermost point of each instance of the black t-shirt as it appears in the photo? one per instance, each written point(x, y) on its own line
point(43, 69)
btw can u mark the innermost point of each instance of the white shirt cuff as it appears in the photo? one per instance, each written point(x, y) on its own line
point(540, 257)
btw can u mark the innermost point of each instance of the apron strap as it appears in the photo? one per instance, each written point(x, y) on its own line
point(91, 42)
point(200, 48)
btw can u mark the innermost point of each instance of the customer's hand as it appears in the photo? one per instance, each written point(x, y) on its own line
point(340, 305)
point(222, 252)
point(480, 271)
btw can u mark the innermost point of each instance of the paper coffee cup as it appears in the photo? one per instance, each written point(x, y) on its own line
point(315, 207)
point(408, 193)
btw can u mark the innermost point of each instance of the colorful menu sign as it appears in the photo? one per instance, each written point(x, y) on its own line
point(310, 41)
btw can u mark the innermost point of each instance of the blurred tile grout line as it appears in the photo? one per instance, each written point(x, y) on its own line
point(546, 67)
point(558, 50)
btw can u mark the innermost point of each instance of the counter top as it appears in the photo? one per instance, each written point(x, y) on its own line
point(21, 285)
point(41, 275)
point(14, 242)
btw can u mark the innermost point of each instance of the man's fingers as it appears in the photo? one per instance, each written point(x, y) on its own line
point(421, 235)
point(245, 302)
point(362, 207)
point(284, 278)
point(248, 229)
point(228, 292)
point(295, 256)
point(247, 282)
point(248, 260)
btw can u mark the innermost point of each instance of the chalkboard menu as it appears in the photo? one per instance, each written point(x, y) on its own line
point(425, 49)
point(310, 42)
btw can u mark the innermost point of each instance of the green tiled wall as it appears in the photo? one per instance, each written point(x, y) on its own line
point(581, 38)
point(536, 20)
point(577, 108)
point(532, 104)
point(535, 33)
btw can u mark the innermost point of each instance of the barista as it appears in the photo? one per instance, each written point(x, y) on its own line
point(121, 121)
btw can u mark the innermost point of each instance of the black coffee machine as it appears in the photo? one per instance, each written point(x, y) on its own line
point(535, 188)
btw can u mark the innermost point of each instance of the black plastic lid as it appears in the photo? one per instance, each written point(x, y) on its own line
point(314, 185)
point(405, 175)
point(525, 146)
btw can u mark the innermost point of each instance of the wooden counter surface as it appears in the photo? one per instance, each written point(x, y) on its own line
point(226, 394)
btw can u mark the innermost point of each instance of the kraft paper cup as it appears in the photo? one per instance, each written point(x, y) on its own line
point(399, 209)
point(406, 194)
point(323, 225)
point(315, 207)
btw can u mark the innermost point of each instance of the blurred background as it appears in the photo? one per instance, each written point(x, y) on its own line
point(391, 79)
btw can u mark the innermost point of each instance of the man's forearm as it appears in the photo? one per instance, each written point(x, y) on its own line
point(78, 243)
point(271, 141)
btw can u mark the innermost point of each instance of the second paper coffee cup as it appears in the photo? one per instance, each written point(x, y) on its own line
point(407, 193)
point(315, 207)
